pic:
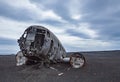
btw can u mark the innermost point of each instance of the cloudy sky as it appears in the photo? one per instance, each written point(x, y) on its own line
point(81, 25)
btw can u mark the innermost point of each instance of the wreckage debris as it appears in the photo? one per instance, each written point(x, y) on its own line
point(60, 74)
point(40, 45)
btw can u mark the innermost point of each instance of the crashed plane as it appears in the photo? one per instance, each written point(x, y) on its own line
point(40, 45)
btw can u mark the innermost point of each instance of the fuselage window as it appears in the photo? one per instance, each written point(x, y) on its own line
point(48, 34)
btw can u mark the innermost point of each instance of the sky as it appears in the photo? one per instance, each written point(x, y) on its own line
point(80, 25)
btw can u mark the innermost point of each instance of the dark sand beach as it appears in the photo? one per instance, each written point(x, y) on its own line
point(100, 67)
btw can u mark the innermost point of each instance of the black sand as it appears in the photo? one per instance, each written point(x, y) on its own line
point(100, 67)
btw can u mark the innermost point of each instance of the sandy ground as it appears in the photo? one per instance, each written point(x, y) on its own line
point(100, 67)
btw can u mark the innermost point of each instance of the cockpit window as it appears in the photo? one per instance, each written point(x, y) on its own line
point(24, 35)
point(30, 36)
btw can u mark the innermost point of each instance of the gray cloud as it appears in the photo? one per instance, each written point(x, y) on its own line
point(14, 13)
point(101, 16)
point(28, 11)
point(78, 34)
point(58, 6)
point(6, 41)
